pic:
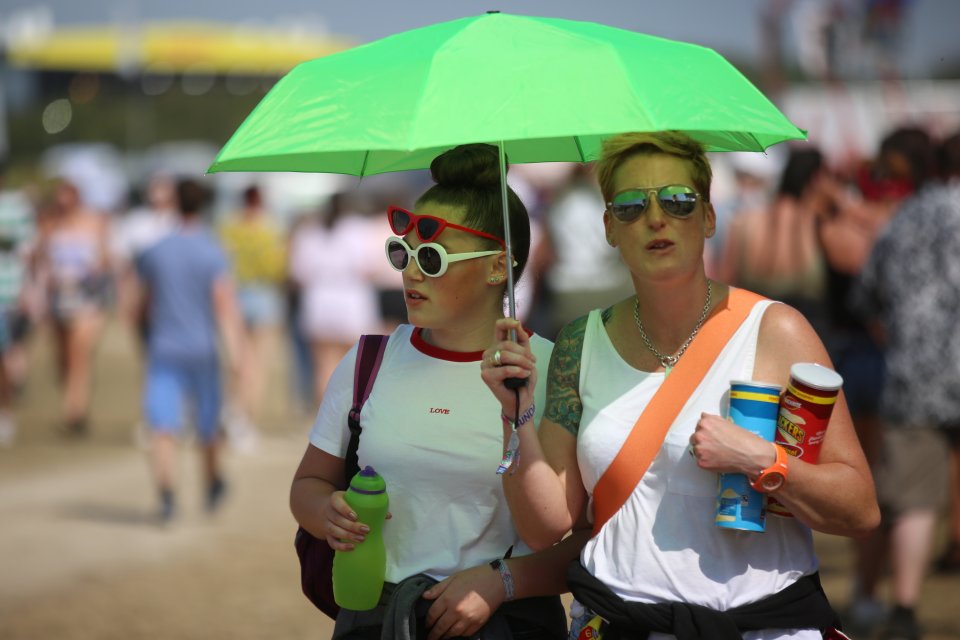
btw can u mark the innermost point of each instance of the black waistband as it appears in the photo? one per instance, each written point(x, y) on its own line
point(402, 611)
point(802, 605)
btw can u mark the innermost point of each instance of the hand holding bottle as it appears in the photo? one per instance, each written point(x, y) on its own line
point(342, 525)
point(358, 576)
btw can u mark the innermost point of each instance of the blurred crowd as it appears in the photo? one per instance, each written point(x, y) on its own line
point(792, 225)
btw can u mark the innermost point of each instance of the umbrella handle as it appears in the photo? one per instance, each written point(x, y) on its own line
point(515, 383)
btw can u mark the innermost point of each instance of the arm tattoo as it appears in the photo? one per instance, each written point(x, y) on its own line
point(606, 315)
point(563, 377)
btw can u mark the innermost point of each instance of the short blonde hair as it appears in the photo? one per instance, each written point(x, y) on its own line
point(619, 148)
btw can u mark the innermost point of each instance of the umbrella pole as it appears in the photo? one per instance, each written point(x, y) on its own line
point(510, 383)
point(511, 303)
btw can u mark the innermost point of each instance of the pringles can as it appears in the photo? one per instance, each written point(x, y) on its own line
point(805, 410)
point(753, 406)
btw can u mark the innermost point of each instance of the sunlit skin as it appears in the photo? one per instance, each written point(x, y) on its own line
point(78, 337)
point(684, 238)
point(455, 310)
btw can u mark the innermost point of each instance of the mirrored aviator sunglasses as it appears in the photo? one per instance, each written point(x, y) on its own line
point(676, 200)
point(432, 259)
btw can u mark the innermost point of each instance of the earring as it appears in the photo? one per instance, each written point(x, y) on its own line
point(495, 279)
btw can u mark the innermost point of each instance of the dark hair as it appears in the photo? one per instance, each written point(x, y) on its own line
point(335, 209)
point(948, 155)
point(251, 195)
point(915, 147)
point(468, 176)
point(192, 197)
point(801, 168)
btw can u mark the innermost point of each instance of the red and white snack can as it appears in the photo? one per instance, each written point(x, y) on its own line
point(805, 409)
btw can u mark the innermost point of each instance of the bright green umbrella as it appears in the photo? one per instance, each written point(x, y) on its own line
point(544, 89)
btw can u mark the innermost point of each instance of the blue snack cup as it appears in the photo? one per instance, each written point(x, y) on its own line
point(755, 407)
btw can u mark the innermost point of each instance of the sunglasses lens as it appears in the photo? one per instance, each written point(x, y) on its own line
point(677, 200)
point(428, 228)
point(430, 259)
point(399, 221)
point(397, 255)
point(627, 206)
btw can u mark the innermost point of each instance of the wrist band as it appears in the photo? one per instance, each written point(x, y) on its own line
point(524, 419)
point(501, 567)
point(512, 455)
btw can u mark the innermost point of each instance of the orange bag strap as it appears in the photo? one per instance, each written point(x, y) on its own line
point(646, 437)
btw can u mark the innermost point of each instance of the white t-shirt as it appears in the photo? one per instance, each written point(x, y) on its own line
point(663, 546)
point(432, 429)
point(141, 229)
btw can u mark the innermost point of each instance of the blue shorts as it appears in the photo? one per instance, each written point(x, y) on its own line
point(259, 305)
point(170, 385)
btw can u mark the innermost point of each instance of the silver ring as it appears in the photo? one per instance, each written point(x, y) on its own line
point(496, 358)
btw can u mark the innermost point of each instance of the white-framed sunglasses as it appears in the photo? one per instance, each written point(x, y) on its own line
point(431, 257)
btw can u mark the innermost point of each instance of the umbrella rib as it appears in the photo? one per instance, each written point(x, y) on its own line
point(363, 167)
point(576, 140)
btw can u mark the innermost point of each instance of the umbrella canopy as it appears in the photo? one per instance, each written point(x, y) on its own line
point(168, 47)
point(547, 89)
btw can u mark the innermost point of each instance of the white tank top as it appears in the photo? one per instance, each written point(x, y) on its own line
point(663, 545)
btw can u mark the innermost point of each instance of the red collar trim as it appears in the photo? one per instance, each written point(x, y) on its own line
point(421, 345)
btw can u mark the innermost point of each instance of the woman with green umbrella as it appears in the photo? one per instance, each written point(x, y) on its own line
point(656, 561)
point(426, 429)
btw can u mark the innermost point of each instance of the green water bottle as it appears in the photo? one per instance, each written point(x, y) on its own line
point(358, 574)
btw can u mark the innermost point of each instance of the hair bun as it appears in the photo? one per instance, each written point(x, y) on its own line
point(469, 165)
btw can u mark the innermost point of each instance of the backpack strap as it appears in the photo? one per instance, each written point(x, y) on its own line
point(369, 357)
point(642, 445)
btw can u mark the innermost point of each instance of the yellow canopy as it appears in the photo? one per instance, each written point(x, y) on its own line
point(172, 47)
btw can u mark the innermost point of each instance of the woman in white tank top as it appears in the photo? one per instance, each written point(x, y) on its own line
point(661, 547)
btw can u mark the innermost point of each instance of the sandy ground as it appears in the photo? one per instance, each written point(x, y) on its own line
point(81, 556)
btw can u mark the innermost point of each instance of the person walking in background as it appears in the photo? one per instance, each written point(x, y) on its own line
point(17, 229)
point(743, 182)
point(73, 254)
point(904, 162)
point(659, 563)
point(330, 259)
point(774, 250)
point(302, 390)
point(190, 300)
point(426, 427)
point(910, 290)
point(136, 232)
point(585, 271)
point(256, 252)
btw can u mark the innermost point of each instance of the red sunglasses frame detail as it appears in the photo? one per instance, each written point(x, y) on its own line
point(441, 225)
